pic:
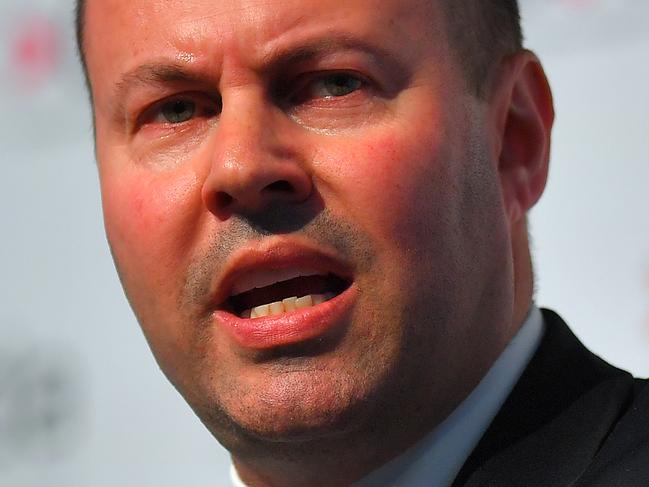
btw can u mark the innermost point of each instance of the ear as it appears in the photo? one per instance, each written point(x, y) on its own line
point(521, 115)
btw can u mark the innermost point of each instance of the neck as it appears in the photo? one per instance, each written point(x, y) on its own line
point(523, 274)
point(336, 461)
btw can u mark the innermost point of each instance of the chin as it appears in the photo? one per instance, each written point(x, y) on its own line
point(290, 408)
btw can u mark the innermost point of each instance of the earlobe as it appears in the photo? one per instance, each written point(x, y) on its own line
point(523, 115)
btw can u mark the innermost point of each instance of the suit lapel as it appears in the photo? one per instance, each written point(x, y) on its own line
point(554, 421)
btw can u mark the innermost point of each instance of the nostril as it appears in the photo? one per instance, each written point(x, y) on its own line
point(249, 198)
point(281, 186)
point(223, 199)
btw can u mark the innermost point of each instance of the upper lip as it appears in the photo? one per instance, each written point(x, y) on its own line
point(277, 254)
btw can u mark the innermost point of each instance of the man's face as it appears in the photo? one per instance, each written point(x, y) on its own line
point(245, 142)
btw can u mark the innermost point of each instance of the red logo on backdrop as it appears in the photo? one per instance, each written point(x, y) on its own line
point(35, 50)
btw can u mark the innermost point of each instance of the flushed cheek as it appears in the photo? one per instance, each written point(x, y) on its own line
point(150, 221)
point(392, 184)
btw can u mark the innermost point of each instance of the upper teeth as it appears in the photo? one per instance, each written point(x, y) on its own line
point(263, 278)
point(286, 305)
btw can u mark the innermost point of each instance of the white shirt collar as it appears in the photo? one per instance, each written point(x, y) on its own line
point(441, 453)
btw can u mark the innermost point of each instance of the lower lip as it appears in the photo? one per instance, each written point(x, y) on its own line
point(289, 328)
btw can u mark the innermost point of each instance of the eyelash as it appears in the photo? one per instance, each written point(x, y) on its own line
point(206, 106)
point(300, 92)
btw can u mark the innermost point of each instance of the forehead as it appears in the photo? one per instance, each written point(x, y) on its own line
point(121, 34)
point(258, 18)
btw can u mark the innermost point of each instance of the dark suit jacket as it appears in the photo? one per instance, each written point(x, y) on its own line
point(571, 420)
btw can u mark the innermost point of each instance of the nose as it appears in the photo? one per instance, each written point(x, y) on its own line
point(254, 163)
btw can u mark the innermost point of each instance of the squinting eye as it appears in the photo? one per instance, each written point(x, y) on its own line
point(178, 111)
point(336, 85)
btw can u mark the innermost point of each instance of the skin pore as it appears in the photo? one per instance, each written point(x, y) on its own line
point(232, 127)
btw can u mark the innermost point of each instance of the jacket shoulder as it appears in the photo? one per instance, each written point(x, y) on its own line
point(623, 458)
point(572, 418)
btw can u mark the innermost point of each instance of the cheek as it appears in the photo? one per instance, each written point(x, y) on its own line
point(149, 220)
point(391, 184)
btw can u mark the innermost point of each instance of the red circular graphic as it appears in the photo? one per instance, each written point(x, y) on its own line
point(35, 50)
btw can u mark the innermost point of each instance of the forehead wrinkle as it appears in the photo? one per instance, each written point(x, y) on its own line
point(224, 26)
point(260, 36)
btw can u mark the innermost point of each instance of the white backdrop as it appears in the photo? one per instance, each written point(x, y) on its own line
point(82, 402)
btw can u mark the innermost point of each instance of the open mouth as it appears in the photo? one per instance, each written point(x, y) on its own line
point(276, 292)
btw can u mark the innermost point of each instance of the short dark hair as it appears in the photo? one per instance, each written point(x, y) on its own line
point(482, 32)
point(79, 24)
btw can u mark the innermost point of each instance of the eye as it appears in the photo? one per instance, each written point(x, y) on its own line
point(177, 111)
point(316, 88)
point(334, 86)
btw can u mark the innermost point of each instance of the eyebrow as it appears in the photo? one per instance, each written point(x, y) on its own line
point(323, 46)
point(152, 74)
point(273, 60)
